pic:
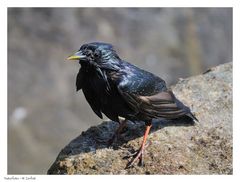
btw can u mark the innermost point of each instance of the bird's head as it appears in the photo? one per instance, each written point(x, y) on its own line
point(100, 55)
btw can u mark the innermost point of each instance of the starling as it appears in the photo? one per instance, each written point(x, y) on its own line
point(121, 90)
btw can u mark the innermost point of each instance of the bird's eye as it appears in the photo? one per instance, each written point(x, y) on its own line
point(97, 54)
point(88, 52)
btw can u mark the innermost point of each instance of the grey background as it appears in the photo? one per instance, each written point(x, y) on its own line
point(45, 112)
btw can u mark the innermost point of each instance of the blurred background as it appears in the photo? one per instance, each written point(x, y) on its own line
point(44, 110)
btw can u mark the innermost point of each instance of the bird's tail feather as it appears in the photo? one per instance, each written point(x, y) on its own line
point(190, 115)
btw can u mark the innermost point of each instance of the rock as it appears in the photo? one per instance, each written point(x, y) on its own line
point(175, 147)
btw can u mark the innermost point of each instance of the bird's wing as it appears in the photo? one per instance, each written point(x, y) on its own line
point(148, 95)
point(161, 105)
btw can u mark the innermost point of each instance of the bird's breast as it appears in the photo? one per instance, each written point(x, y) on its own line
point(107, 96)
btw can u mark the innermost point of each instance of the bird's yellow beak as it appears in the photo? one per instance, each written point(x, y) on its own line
point(76, 56)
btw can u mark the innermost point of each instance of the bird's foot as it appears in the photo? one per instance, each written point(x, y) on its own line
point(136, 155)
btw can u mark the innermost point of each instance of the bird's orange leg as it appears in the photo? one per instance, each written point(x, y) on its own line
point(139, 154)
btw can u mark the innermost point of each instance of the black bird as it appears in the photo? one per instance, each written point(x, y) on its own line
point(121, 90)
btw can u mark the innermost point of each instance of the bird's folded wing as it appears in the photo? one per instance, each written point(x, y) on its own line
point(160, 105)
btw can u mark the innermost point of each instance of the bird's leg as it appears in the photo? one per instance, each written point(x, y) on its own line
point(118, 131)
point(139, 154)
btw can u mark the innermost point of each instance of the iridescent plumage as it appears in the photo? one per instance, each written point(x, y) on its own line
point(119, 89)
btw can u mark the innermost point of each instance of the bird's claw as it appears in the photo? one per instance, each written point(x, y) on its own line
point(130, 155)
point(136, 155)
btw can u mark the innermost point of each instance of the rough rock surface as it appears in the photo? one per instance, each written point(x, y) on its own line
point(175, 147)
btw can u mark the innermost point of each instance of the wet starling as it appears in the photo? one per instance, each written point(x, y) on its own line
point(121, 90)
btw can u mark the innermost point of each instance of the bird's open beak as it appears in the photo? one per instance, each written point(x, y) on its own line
point(77, 56)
